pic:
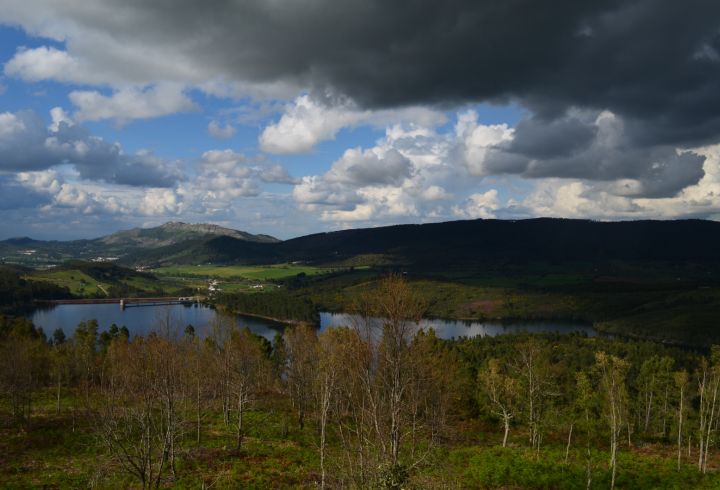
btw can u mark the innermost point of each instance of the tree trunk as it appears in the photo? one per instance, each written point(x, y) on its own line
point(709, 427)
point(241, 409)
point(680, 422)
point(569, 439)
point(57, 404)
point(648, 408)
point(506, 421)
point(197, 402)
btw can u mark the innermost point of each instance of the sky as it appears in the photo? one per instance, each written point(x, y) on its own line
point(293, 117)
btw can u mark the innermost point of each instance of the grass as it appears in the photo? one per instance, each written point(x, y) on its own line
point(277, 454)
point(260, 272)
point(496, 467)
point(76, 281)
point(50, 454)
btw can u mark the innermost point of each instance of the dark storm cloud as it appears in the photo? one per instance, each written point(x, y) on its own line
point(642, 58)
point(655, 64)
point(596, 146)
point(654, 60)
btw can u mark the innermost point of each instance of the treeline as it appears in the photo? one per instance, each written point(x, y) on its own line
point(383, 405)
point(280, 305)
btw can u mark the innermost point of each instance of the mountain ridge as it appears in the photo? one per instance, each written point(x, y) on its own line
point(451, 243)
point(472, 242)
point(176, 231)
point(132, 242)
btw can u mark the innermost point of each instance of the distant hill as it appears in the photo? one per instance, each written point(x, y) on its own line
point(530, 239)
point(465, 244)
point(176, 232)
point(124, 246)
point(454, 244)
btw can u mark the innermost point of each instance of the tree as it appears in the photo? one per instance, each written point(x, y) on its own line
point(503, 392)
point(199, 362)
point(222, 328)
point(131, 417)
point(249, 374)
point(392, 395)
point(681, 384)
point(708, 376)
point(331, 356)
point(400, 311)
point(585, 407)
point(22, 369)
point(302, 359)
point(85, 354)
point(612, 372)
point(654, 385)
point(531, 366)
point(60, 367)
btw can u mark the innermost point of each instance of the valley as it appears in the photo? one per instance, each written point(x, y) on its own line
point(637, 280)
point(474, 304)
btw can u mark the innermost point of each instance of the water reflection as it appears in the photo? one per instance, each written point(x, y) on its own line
point(141, 320)
point(448, 329)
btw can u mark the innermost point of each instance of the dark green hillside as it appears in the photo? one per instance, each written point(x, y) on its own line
point(216, 250)
point(479, 242)
point(517, 241)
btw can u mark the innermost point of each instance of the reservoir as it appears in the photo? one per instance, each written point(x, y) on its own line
point(141, 320)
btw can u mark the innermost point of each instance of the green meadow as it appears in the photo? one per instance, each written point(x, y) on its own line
point(258, 272)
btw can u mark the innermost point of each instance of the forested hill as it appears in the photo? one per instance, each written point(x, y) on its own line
point(452, 244)
point(531, 239)
point(464, 243)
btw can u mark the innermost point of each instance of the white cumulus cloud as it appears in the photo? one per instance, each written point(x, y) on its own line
point(131, 103)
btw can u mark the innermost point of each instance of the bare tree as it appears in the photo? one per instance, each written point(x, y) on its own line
point(301, 354)
point(400, 311)
point(330, 351)
point(503, 392)
point(612, 371)
point(85, 354)
point(249, 373)
point(392, 393)
point(22, 365)
point(531, 366)
point(585, 405)
point(681, 383)
point(708, 385)
point(131, 419)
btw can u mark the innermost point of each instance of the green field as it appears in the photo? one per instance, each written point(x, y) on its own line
point(80, 283)
point(259, 272)
point(76, 281)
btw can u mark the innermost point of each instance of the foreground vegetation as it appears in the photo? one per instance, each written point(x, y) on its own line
point(365, 406)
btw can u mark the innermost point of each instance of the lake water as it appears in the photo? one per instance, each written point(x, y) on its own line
point(143, 319)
